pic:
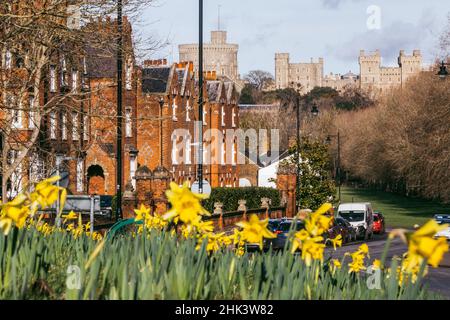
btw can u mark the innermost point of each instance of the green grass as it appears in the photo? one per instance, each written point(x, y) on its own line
point(400, 211)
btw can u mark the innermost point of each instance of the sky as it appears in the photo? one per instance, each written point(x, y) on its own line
point(333, 29)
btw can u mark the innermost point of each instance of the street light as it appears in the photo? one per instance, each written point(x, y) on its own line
point(338, 167)
point(443, 73)
point(200, 96)
point(119, 173)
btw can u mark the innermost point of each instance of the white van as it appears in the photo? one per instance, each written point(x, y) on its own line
point(360, 216)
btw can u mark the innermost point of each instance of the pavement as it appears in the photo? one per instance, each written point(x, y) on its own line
point(437, 279)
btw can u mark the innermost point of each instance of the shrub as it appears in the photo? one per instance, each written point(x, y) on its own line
point(230, 197)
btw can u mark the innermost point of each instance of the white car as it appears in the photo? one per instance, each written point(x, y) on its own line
point(443, 219)
point(360, 216)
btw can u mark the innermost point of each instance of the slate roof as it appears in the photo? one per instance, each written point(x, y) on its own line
point(101, 63)
point(155, 80)
point(213, 88)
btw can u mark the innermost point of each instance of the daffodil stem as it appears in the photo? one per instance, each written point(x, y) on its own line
point(385, 251)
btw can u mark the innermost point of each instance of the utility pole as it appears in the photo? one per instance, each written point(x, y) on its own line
point(297, 151)
point(119, 111)
point(339, 164)
point(200, 97)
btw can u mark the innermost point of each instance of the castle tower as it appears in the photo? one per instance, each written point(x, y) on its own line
point(370, 69)
point(409, 64)
point(281, 70)
point(218, 55)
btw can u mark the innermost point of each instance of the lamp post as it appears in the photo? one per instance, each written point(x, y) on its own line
point(119, 112)
point(338, 166)
point(443, 73)
point(200, 98)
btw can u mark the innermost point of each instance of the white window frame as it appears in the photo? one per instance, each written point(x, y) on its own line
point(128, 122)
point(80, 175)
point(133, 168)
point(64, 125)
point(129, 75)
point(174, 150)
point(8, 59)
point(205, 113)
point(52, 79)
point(85, 128)
point(223, 116)
point(74, 80)
point(53, 125)
point(174, 111)
point(75, 132)
point(188, 150)
point(233, 118)
point(188, 108)
point(32, 113)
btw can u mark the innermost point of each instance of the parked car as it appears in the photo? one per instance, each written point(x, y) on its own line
point(360, 216)
point(379, 225)
point(273, 226)
point(341, 227)
point(285, 228)
point(443, 219)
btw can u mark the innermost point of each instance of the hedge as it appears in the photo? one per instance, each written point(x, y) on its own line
point(230, 197)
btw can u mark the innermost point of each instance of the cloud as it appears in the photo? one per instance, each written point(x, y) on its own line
point(390, 40)
point(335, 4)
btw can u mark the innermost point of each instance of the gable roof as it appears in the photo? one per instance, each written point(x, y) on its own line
point(156, 79)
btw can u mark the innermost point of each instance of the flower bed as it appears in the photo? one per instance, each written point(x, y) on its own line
point(177, 256)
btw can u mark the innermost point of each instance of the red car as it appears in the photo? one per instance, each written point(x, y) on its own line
point(378, 223)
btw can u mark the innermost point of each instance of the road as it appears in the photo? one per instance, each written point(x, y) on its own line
point(437, 279)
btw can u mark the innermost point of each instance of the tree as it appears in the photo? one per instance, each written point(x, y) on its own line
point(34, 36)
point(316, 183)
point(259, 79)
point(247, 95)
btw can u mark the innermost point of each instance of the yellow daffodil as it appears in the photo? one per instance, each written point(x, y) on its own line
point(15, 211)
point(254, 231)
point(358, 257)
point(71, 216)
point(186, 205)
point(213, 242)
point(376, 264)
point(336, 263)
point(422, 245)
point(142, 214)
point(45, 194)
point(337, 241)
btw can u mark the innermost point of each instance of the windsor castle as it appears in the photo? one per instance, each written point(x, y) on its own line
point(372, 76)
